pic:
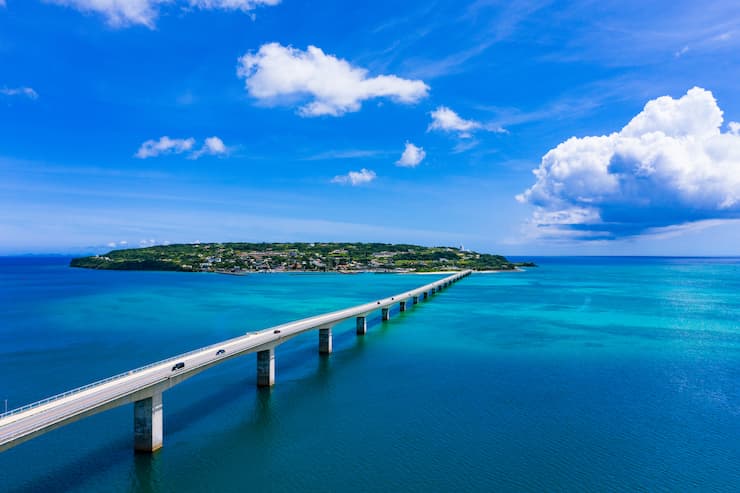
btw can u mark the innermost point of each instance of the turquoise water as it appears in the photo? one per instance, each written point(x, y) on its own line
point(583, 374)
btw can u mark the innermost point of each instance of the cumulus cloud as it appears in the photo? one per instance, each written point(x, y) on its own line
point(213, 146)
point(355, 177)
point(19, 91)
point(282, 74)
point(165, 145)
point(121, 13)
point(412, 156)
point(671, 165)
point(446, 120)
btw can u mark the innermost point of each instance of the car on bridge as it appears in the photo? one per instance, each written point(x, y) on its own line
point(220, 351)
point(178, 366)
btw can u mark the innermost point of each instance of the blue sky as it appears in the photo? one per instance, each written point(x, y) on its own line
point(151, 121)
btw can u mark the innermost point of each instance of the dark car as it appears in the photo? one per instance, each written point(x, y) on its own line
point(220, 351)
point(276, 331)
point(178, 366)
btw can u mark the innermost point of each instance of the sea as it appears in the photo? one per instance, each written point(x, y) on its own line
point(582, 374)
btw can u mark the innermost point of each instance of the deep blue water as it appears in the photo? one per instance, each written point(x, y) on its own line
point(590, 374)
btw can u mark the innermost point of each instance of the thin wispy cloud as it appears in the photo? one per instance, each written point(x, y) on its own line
point(345, 154)
point(278, 74)
point(123, 13)
point(502, 21)
point(27, 92)
point(644, 36)
point(566, 107)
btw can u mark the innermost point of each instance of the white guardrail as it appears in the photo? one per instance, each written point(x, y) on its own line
point(343, 314)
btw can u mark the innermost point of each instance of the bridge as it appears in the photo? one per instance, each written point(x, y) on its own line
point(144, 386)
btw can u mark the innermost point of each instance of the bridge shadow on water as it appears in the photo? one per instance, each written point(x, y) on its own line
point(255, 426)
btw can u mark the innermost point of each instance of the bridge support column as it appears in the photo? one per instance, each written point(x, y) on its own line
point(415, 300)
point(266, 368)
point(386, 313)
point(402, 306)
point(361, 326)
point(148, 424)
point(426, 295)
point(325, 340)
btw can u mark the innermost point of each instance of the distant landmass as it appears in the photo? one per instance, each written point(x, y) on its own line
point(241, 258)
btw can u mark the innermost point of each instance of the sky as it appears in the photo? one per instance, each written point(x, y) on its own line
point(520, 127)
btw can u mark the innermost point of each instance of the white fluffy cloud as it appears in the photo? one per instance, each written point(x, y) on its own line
point(120, 13)
point(412, 156)
point(19, 91)
point(446, 120)
point(282, 74)
point(165, 145)
point(213, 146)
point(355, 177)
point(671, 165)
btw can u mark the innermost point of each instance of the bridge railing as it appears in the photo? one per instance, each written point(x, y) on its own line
point(88, 386)
point(77, 390)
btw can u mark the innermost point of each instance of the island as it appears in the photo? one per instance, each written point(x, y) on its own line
point(243, 258)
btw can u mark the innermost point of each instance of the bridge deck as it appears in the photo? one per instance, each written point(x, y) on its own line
point(24, 423)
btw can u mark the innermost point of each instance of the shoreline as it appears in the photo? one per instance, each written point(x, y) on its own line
point(426, 273)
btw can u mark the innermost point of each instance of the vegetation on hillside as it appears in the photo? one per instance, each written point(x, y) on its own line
point(251, 257)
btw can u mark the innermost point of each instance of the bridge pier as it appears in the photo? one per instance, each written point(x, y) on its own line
point(426, 295)
point(386, 314)
point(325, 340)
point(148, 424)
point(266, 368)
point(402, 306)
point(361, 326)
point(415, 300)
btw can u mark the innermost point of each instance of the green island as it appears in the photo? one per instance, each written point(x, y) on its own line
point(242, 258)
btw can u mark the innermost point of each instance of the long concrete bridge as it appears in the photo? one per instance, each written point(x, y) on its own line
point(144, 386)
